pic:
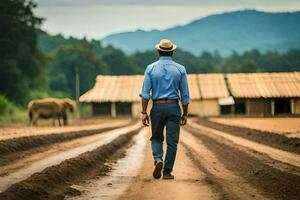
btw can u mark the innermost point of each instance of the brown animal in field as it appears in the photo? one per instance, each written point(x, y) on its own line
point(50, 108)
point(67, 104)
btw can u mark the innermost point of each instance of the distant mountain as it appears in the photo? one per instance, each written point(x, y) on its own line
point(234, 31)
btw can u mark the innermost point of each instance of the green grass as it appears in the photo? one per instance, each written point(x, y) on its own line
point(9, 112)
point(15, 115)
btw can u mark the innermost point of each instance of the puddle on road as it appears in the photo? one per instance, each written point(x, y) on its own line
point(22, 174)
point(118, 179)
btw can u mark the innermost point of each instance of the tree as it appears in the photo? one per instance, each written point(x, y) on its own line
point(117, 60)
point(229, 66)
point(67, 60)
point(273, 61)
point(21, 63)
point(292, 59)
point(248, 66)
point(142, 59)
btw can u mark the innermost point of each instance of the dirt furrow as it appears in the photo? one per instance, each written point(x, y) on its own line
point(276, 154)
point(269, 180)
point(44, 162)
point(118, 179)
point(54, 182)
point(18, 144)
point(275, 140)
point(224, 181)
point(21, 160)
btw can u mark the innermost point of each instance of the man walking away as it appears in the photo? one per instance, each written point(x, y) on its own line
point(165, 82)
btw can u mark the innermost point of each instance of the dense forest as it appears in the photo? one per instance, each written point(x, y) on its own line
point(91, 58)
point(34, 64)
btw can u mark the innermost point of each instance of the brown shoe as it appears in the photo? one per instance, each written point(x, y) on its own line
point(157, 169)
point(168, 176)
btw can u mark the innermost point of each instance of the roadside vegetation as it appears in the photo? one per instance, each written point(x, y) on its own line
point(10, 112)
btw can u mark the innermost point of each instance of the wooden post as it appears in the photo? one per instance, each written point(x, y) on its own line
point(232, 109)
point(247, 107)
point(272, 107)
point(113, 110)
point(77, 89)
point(292, 106)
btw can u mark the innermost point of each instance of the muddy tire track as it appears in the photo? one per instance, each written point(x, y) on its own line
point(54, 182)
point(271, 181)
point(268, 138)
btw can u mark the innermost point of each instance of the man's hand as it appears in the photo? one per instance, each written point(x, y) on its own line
point(145, 119)
point(183, 120)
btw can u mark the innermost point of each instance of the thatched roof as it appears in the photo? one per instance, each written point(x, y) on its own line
point(114, 89)
point(212, 86)
point(207, 86)
point(264, 85)
point(201, 86)
point(128, 88)
point(194, 87)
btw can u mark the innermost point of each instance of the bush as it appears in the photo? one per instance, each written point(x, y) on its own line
point(85, 110)
point(9, 112)
point(5, 105)
point(36, 94)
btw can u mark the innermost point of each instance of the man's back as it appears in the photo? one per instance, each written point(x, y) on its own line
point(165, 78)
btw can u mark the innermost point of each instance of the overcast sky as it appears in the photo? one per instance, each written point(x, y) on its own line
point(98, 18)
point(168, 2)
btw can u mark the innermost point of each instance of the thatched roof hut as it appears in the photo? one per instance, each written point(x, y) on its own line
point(253, 93)
point(266, 93)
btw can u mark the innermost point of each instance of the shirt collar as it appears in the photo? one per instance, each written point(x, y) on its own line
point(165, 58)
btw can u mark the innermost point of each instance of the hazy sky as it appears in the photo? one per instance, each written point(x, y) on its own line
point(168, 2)
point(98, 18)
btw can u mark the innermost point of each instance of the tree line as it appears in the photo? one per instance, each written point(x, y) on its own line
point(34, 64)
point(90, 58)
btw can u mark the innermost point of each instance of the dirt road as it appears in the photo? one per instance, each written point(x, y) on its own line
point(214, 166)
point(212, 163)
point(190, 182)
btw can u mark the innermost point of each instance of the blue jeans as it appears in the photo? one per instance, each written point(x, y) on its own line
point(165, 115)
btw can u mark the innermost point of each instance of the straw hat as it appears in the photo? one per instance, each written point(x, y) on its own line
point(165, 45)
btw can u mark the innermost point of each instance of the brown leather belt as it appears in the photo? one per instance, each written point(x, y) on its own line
point(166, 101)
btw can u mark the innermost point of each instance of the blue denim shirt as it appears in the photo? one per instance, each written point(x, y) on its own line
point(164, 79)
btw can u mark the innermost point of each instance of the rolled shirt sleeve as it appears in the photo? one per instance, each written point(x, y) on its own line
point(184, 89)
point(146, 89)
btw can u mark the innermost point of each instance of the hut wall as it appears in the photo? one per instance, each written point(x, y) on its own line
point(211, 107)
point(226, 109)
point(206, 107)
point(283, 105)
point(258, 107)
point(195, 107)
point(123, 108)
point(239, 106)
point(101, 108)
point(136, 108)
point(296, 104)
